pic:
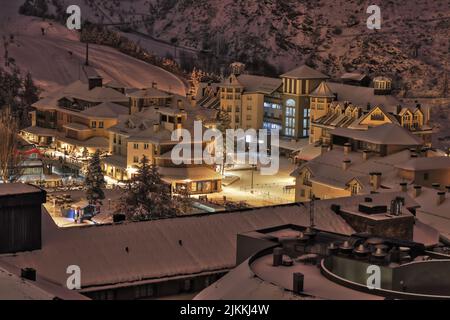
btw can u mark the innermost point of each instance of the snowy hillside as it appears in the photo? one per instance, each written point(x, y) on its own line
point(272, 36)
point(57, 58)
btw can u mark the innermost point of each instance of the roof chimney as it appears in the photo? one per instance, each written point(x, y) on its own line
point(436, 186)
point(155, 127)
point(440, 197)
point(366, 155)
point(346, 164)
point(94, 82)
point(347, 148)
point(277, 257)
point(417, 191)
point(298, 282)
point(375, 178)
point(404, 186)
point(154, 85)
point(447, 188)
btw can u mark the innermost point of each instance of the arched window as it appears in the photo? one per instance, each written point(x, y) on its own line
point(290, 103)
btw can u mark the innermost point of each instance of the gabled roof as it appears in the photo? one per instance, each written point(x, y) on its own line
point(323, 91)
point(105, 110)
point(304, 72)
point(388, 115)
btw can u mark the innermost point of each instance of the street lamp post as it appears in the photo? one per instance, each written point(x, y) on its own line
point(253, 170)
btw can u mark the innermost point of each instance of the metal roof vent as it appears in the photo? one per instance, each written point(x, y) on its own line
point(346, 247)
point(361, 251)
point(379, 255)
point(332, 249)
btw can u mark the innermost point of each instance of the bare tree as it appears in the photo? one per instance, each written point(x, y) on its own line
point(10, 157)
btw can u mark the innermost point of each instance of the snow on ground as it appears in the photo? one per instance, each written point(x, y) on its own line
point(57, 58)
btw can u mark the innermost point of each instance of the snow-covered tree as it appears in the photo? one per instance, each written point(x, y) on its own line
point(147, 197)
point(95, 180)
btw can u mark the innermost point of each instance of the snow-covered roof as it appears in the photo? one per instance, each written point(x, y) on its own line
point(94, 142)
point(388, 134)
point(304, 72)
point(426, 163)
point(152, 93)
point(44, 132)
point(7, 189)
point(259, 84)
point(356, 76)
point(14, 287)
point(77, 126)
point(171, 174)
point(327, 168)
point(105, 110)
point(161, 248)
point(323, 91)
point(361, 96)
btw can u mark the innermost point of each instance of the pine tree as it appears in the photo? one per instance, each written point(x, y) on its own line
point(30, 92)
point(147, 197)
point(95, 180)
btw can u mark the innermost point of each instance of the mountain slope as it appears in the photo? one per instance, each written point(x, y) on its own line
point(412, 45)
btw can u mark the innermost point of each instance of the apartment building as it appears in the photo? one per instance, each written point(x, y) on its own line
point(76, 117)
point(252, 101)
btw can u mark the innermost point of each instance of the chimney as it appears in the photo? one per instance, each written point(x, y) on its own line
point(154, 85)
point(436, 186)
point(155, 127)
point(347, 148)
point(404, 186)
point(366, 155)
point(417, 191)
point(447, 188)
point(298, 282)
point(440, 198)
point(277, 257)
point(346, 164)
point(179, 104)
point(95, 82)
point(28, 273)
point(375, 178)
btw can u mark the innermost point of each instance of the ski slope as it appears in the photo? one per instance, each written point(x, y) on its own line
point(57, 58)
